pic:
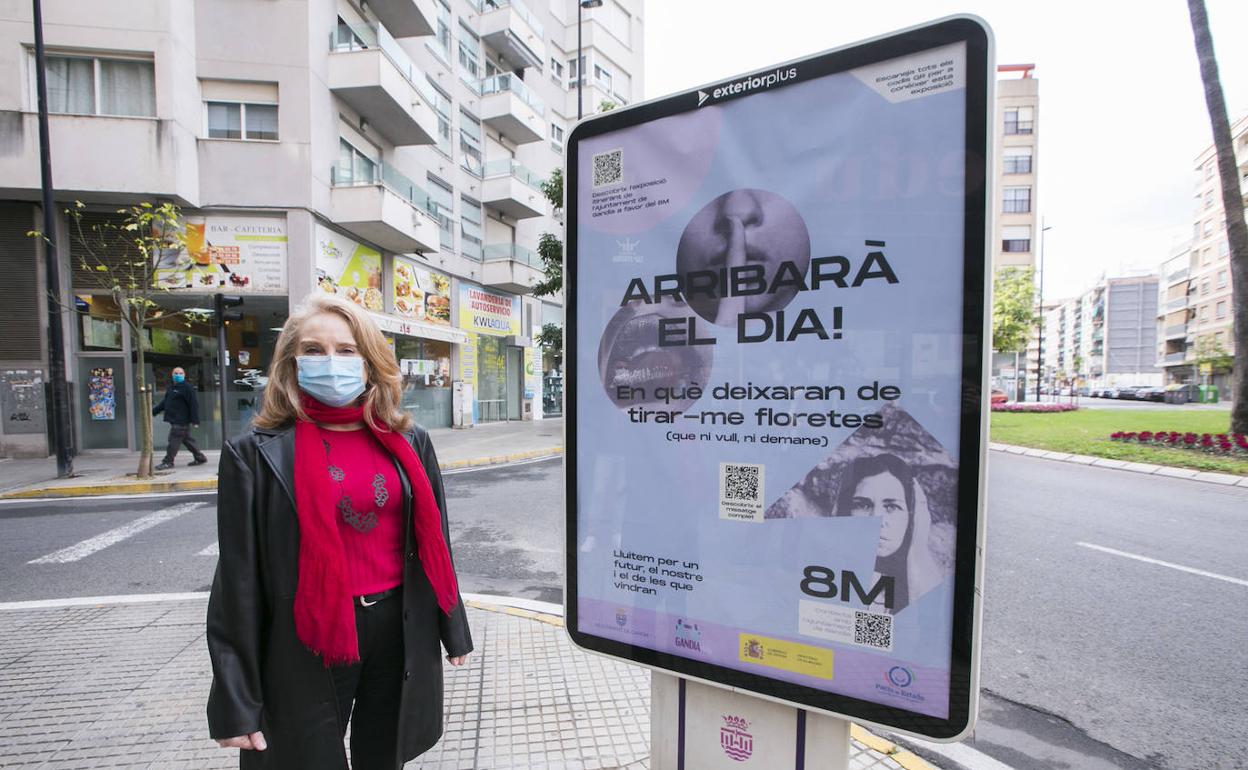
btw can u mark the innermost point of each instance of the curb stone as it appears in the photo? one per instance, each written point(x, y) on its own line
point(1149, 469)
point(205, 485)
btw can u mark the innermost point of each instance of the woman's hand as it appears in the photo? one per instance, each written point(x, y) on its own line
point(457, 660)
point(250, 742)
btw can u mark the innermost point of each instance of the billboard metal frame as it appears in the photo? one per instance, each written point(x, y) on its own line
point(976, 339)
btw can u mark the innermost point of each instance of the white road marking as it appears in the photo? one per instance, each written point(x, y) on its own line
point(95, 601)
point(212, 550)
point(964, 755)
point(113, 536)
point(1160, 563)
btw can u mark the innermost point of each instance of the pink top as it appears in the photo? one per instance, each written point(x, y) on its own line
point(368, 507)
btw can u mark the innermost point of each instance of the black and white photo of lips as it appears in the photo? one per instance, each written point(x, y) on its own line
point(630, 356)
point(738, 229)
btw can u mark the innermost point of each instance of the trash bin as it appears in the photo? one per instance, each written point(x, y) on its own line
point(1208, 394)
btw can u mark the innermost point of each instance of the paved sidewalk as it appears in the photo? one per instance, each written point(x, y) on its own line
point(111, 471)
point(1225, 479)
point(124, 686)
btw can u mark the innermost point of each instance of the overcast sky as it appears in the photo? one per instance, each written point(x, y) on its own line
point(1122, 111)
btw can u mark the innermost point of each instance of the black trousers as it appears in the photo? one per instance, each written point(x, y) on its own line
point(179, 435)
point(368, 692)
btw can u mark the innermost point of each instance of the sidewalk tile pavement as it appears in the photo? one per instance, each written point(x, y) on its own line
point(124, 686)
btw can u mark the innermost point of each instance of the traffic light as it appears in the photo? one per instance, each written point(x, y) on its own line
point(223, 305)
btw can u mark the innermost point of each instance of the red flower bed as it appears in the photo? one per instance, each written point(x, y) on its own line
point(1028, 407)
point(1234, 444)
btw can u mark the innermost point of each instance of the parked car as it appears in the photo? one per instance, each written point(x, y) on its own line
point(1151, 393)
point(1083, 390)
point(1128, 392)
point(1109, 392)
point(999, 397)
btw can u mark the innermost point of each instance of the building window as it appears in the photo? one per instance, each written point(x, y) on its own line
point(354, 167)
point(469, 53)
point(470, 232)
point(242, 120)
point(1019, 120)
point(1016, 238)
point(1209, 199)
point(79, 85)
point(1208, 228)
point(1016, 200)
point(1016, 160)
point(1221, 279)
point(442, 106)
point(441, 43)
point(1220, 312)
point(470, 143)
point(602, 77)
point(444, 196)
point(556, 133)
point(574, 71)
point(1209, 169)
point(556, 71)
point(1223, 249)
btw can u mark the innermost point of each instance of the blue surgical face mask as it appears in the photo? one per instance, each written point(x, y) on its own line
point(179, 378)
point(332, 380)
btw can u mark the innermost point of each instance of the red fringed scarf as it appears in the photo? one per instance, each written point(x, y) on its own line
point(324, 613)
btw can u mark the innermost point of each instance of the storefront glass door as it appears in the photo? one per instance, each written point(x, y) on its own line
point(515, 382)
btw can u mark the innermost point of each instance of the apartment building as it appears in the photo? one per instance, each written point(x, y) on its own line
point(1107, 336)
point(1198, 313)
point(390, 151)
point(1016, 242)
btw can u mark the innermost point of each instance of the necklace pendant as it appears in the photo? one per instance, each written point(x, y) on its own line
point(357, 520)
point(380, 493)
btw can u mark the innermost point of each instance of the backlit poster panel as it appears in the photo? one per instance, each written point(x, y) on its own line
point(776, 287)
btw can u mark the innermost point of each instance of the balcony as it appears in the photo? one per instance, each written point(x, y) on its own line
point(370, 71)
point(512, 268)
point(1178, 275)
point(1176, 304)
point(511, 108)
point(515, 32)
point(97, 158)
point(406, 18)
point(1177, 331)
point(592, 94)
point(1175, 358)
point(386, 209)
point(513, 190)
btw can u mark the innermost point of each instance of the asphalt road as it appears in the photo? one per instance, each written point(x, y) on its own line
point(1092, 658)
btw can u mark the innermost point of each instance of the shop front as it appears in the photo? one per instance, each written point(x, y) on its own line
point(494, 360)
point(412, 305)
point(237, 255)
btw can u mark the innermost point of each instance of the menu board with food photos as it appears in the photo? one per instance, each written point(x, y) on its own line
point(237, 254)
point(348, 269)
point(421, 294)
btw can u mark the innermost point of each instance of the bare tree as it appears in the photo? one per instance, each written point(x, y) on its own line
point(1232, 205)
point(123, 257)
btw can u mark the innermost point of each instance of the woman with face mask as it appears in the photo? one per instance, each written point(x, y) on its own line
point(883, 486)
point(335, 587)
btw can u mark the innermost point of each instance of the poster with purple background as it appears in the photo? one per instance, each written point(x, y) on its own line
point(775, 352)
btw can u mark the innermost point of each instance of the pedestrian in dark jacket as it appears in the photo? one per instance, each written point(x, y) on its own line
point(181, 408)
point(335, 587)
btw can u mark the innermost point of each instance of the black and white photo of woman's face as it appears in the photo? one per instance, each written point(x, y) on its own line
point(739, 228)
point(883, 495)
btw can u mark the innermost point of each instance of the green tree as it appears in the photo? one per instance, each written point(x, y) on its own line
point(1232, 205)
point(121, 257)
point(1013, 309)
point(550, 249)
point(1210, 351)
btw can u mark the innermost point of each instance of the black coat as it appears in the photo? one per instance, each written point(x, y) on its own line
point(180, 405)
point(263, 677)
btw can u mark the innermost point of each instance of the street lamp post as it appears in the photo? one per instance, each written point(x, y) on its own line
point(61, 435)
point(580, 58)
point(1040, 315)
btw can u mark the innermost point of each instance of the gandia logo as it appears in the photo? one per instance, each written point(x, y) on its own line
point(749, 84)
point(901, 676)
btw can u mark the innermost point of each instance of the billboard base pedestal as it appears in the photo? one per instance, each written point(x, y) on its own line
point(700, 727)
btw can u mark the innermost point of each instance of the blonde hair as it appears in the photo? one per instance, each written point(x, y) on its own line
point(383, 394)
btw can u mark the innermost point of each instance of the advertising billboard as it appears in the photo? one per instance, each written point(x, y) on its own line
point(777, 289)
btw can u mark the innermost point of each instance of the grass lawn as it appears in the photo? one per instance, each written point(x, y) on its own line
point(1086, 432)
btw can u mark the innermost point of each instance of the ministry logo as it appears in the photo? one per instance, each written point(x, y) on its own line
point(735, 738)
point(621, 617)
point(627, 251)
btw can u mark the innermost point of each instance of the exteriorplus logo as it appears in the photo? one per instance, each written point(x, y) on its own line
point(751, 83)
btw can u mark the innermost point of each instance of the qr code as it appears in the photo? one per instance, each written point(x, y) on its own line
point(741, 482)
point(608, 168)
point(873, 630)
